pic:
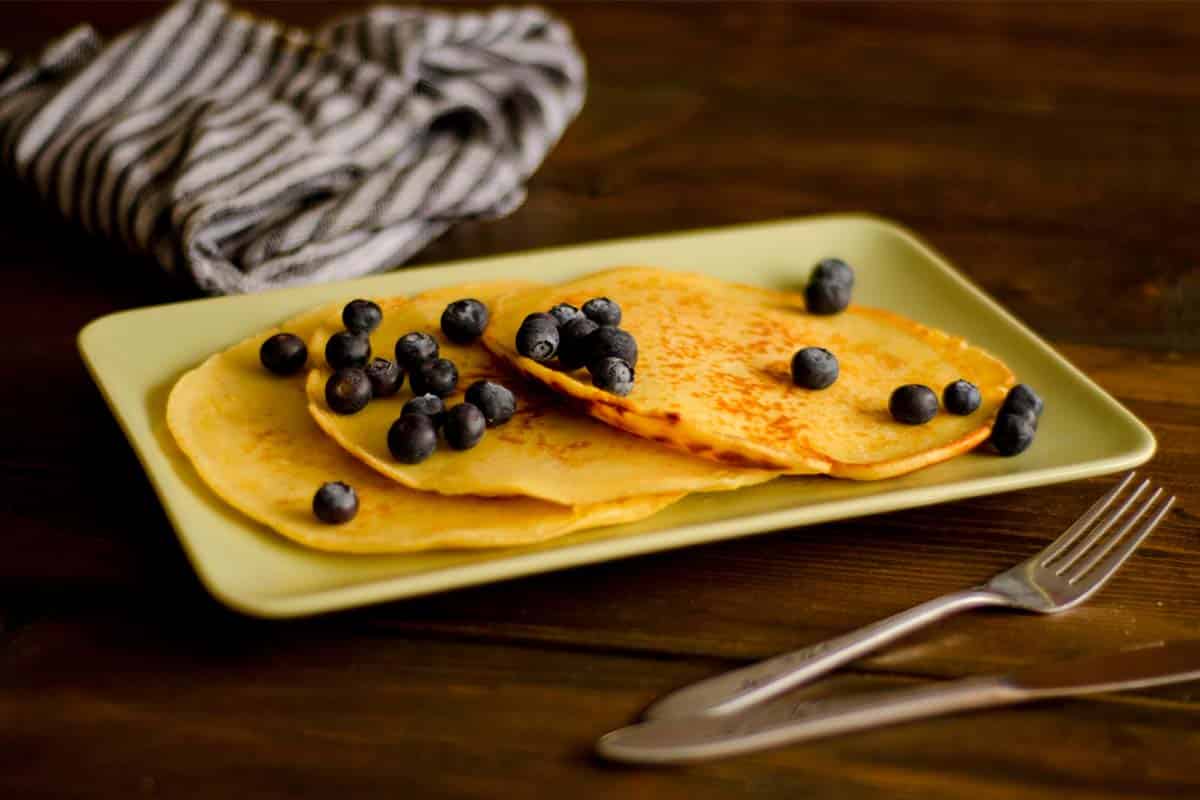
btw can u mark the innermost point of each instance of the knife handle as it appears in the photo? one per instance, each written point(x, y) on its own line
point(779, 722)
point(741, 688)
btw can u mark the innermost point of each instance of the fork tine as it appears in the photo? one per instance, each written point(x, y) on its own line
point(1080, 525)
point(1101, 550)
point(1114, 561)
point(1079, 550)
point(1068, 537)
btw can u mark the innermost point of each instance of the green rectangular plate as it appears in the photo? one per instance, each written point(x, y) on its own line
point(136, 356)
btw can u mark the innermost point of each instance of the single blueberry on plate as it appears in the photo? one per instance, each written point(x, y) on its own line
point(385, 376)
point(283, 354)
point(612, 375)
point(913, 404)
point(572, 342)
point(1013, 433)
point(348, 390)
point(346, 349)
point(464, 320)
point(438, 376)
point(564, 313)
point(826, 297)
point(412, 438)
point(464, 426)
point(495, 401)
point(335, 503)
point(361, 316)
point(814, 368)
point(961, 397)
point(537, 338)
point(834, 270)
point(415, 347)
point(430, 405)
point(608, 341)
point(602, 311)
point(1021, 399)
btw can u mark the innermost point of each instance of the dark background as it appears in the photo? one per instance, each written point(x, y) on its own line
point(1051, 151)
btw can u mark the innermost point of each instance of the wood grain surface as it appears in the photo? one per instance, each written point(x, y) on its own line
point(1050, 151)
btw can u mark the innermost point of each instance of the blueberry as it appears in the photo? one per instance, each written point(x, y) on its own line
point(1023, 400)
point(961, 397)
point(613, 375)
point(537, 337)
point(464, 426)
point(1013, 433)
point(564, 313)
point(438, 376)
point(496, 402)
point(335, 503)
point(361, 316)
point(814, 368)
point(346, 349)
point(283, 354)
point(464, 320)
point(412, 438)
point(348, 390)
point(429, 405)
point(826, 297)
point(608, 341)
point(602, 311)
point(833, 270)
point(413, 348)
point(913, 404)
point(385, 376)
point(572, 347)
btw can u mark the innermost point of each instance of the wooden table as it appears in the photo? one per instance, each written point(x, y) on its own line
point(1053, 153)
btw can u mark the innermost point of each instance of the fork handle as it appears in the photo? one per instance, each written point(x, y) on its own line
point(740, 688)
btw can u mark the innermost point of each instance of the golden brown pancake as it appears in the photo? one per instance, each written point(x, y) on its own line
point(713, 375)
point(548, 450)
point(250, 437)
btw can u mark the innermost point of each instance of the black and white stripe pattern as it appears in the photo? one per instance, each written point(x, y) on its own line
point(244, 156)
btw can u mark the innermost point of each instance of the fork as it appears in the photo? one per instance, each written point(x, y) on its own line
point(1066, 573)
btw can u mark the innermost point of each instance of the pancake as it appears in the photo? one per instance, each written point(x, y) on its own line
point(250, 437)
point(713, 375)
point(548, 450)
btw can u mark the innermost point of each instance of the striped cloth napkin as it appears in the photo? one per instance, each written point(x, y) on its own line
point(242, 155)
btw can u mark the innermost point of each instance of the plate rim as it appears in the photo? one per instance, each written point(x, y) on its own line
point(519, 564)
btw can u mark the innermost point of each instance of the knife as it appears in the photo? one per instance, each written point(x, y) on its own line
point(782, 721)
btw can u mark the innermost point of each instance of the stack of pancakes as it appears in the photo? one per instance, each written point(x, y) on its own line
point(713, 408)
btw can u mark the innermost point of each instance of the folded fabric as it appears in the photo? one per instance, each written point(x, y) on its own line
point(243, 155)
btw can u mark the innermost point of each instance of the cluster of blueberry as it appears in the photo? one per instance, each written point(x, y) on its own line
point(916, 404)
point(1017, 421)
point(828, 292)
point(913, 404)
point(583, 337)
point(413, 436)
point(358, 379)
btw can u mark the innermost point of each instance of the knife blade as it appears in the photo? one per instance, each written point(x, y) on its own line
point(783, 721)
